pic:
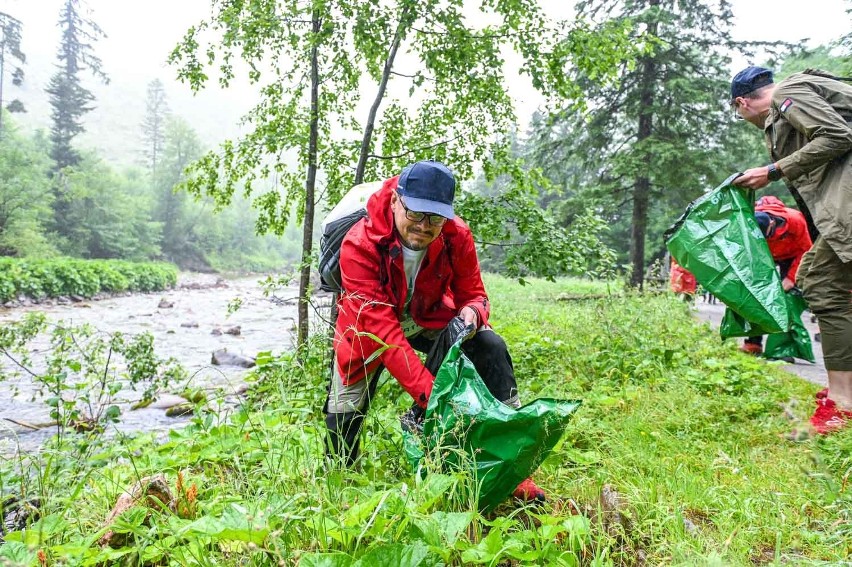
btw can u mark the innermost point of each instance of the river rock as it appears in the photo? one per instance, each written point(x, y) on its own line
point(235, 330)
point(151, 492)
point(190, 324)
point(180, 410)
point(165, 304)
point(216, 332)
point(17, 514)
point(224, 358)
point(166, 401)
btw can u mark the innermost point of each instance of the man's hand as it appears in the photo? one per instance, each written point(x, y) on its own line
point(753, 178)
point(469, 316)
point(787, 284)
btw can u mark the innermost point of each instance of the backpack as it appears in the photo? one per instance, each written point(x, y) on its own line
point(351, 208)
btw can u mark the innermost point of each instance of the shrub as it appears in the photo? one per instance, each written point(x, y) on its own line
point(67, 276)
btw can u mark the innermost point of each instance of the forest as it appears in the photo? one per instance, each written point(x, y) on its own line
point(681, 453)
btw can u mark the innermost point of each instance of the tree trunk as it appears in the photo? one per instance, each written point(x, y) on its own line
point(642, 183)
point(310, 184)
point(374, 109)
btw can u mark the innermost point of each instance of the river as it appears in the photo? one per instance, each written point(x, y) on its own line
point(185, 331)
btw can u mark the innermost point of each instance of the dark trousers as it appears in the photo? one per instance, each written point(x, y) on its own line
point(486, 350)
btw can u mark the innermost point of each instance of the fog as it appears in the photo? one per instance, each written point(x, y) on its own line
point(140, 36)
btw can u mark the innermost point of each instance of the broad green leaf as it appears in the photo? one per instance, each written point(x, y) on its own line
point(233, 524)
point(333, 559)
point(393, 555)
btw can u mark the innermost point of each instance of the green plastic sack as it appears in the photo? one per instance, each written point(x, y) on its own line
point(466, 428)
point(718, 240)
point(734, 325)
point(796, 342)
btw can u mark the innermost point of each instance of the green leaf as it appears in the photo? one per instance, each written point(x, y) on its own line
point(334, 559)
point(16, 553)
point(233, 524)
point(452, 524)
point(393, 555)
point(489, 549)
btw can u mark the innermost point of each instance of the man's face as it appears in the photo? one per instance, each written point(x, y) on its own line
point(415, 235)
point(751, 110)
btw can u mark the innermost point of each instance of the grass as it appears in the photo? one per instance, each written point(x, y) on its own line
point(689, 433)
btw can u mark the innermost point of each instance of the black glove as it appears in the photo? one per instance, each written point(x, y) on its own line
point(412, 420)
point(454, 330)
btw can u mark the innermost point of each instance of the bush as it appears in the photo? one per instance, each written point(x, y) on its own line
point(38, 279)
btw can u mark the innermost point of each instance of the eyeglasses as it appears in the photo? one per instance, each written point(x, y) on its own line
point(735, 108)
point(414, 216)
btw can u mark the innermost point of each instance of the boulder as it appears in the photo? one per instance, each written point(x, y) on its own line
point(152, 492)
point(165, 304)
point(224, 358)
point(235, 330)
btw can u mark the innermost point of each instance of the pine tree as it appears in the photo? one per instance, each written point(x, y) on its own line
point(70, 101)
point(154, 124)
point(651, 142)
point(68, 97)
point(10, 48)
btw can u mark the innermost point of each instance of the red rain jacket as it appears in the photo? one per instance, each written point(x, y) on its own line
point(681, 279)
point(368, 331)
point(791, 240)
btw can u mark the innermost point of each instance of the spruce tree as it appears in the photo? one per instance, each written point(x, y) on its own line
point(70, 101)
point(154, 125)
point(650, 143)
point(68, 97)
point(10, 49)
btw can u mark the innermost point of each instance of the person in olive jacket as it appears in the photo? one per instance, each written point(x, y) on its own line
point(407, 270)
point(807, 121)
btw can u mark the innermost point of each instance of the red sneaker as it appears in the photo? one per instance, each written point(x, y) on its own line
point(828, 417)
point(752, 348)
point(528, 491)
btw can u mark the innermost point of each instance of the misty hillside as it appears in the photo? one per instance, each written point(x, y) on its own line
point(132, 58)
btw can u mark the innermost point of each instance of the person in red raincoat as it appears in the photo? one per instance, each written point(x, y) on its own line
point(407, 270)
point(682, 281)
point(786, 232)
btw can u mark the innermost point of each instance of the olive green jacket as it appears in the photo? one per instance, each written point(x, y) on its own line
point(809, 134)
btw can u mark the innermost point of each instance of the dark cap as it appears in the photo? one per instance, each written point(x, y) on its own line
point(750, 79)
point(428, 187)
point(762, 221)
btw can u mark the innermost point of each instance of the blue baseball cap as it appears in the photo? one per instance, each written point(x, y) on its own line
point(750, 79)
point(428, 187)
point(762, 221)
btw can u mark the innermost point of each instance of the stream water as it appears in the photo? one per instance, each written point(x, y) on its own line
point(184, 331)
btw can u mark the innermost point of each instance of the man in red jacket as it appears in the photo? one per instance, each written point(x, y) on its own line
point(786, 232)
point(407, 270)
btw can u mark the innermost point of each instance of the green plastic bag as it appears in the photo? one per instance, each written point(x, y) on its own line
point(796, 342)
point(734, 325)
point(718, 240)
point(466, 428)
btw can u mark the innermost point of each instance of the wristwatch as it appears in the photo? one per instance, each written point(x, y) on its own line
point(773, 173)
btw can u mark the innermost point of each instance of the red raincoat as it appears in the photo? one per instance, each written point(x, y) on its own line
point(790, 240)
point(368, 331)
point(681, 279)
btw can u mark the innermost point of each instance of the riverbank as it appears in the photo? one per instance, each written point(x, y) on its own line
point(678, 455)
point(189, 323)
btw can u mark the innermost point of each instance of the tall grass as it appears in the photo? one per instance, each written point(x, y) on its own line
point(689, 433)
